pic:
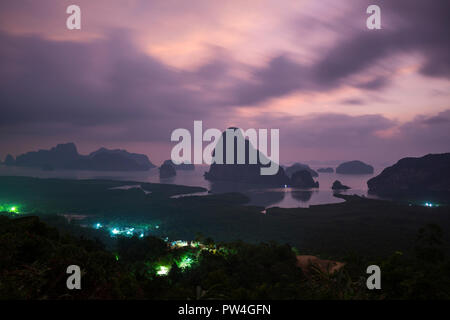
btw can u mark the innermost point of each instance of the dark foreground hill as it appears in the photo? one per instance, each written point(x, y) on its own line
point(66, 156)
point(35, 258)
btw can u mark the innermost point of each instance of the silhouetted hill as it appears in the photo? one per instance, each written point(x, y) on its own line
point(354, 167)
point(167, 169)
point(337, 185)
point(428, 175)
point(140, 159)
point(298, 167)
point(245, 173)
point(303, 179)
point(66, 156)
point(9, 160)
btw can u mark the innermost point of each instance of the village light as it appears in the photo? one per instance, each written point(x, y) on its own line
point(162, 271)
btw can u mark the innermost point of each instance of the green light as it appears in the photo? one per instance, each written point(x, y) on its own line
point(117, 257)
point(162, 271)
point(13, 210)
point(186, 262)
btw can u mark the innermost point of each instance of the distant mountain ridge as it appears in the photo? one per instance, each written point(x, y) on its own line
point(66, 156)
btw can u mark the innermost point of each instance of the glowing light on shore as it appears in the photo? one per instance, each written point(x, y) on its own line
point(9, 208)
point(162, 270)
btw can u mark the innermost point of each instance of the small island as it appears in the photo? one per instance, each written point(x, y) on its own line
point(300, 166)
point(167, 170)
point(325, 170)
point(337, 185)
point(247, 172)
point(354, 167)
point(303, 179)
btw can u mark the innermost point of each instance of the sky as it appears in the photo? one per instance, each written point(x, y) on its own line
point(139, 69)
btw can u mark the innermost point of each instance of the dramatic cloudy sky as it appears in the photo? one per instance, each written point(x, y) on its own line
point(139, 69)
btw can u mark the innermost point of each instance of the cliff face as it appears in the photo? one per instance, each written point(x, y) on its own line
point(66, 156)
point(414, 176)
point(354, 167)
point(245, 173)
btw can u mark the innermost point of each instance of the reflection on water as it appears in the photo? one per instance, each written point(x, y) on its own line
point(267, 197)
point(197, 194)
point(292, 197)
point(302, 195)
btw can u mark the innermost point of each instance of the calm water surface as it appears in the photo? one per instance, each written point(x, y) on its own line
point(268, 197)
